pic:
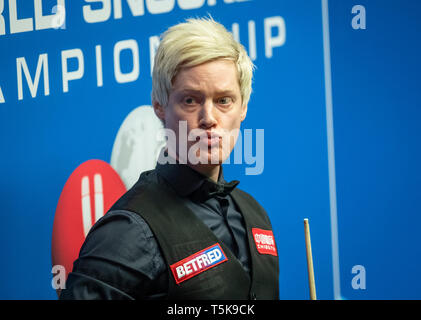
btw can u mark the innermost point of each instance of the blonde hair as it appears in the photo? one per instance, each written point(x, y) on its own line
point(194, 42)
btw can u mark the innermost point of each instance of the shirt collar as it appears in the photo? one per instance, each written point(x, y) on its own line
point(187, 182)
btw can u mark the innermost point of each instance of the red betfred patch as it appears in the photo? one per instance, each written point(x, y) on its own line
point(265, 241)
point(198, 263)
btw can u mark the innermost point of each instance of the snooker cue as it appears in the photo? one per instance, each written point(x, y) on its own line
point(311, 282)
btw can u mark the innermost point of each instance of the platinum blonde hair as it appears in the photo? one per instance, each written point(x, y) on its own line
point(192, 43)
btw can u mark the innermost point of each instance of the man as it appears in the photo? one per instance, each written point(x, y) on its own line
point(182, 231)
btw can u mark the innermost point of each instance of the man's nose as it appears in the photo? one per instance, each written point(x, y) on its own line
point(207, 115)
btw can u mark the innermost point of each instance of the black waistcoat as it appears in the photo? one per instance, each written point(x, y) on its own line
point(180, 234)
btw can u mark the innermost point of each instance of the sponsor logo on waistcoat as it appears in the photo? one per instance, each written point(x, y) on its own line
point(197, 263)
point(265, 241)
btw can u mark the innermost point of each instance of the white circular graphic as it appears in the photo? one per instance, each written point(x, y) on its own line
point(137, 145)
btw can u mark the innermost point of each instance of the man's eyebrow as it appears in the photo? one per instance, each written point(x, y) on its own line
point(199, 91)
point(227, 92)
point(187, 90)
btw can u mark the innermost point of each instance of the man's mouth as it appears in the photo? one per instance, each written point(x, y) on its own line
point(210, 138)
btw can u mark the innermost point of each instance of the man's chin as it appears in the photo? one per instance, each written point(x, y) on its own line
point(208, 159)
point(206, 163)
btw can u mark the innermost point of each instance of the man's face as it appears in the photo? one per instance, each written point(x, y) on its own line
point(208, 98)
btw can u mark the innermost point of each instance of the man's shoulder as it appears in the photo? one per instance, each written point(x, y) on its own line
point(122, 225)
point(243, 196)
point(246, 196)
point(120, 221)
point(147, 180)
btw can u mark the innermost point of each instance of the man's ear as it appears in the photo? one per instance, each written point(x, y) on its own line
point(243, 112)
point(159, 111)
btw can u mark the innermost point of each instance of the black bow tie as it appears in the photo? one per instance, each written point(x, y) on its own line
point(211, 189)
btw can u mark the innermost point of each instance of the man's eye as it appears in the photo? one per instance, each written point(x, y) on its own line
point(189, 100)
point(224, 100)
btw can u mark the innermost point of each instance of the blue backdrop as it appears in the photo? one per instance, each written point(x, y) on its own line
point(335, 90)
